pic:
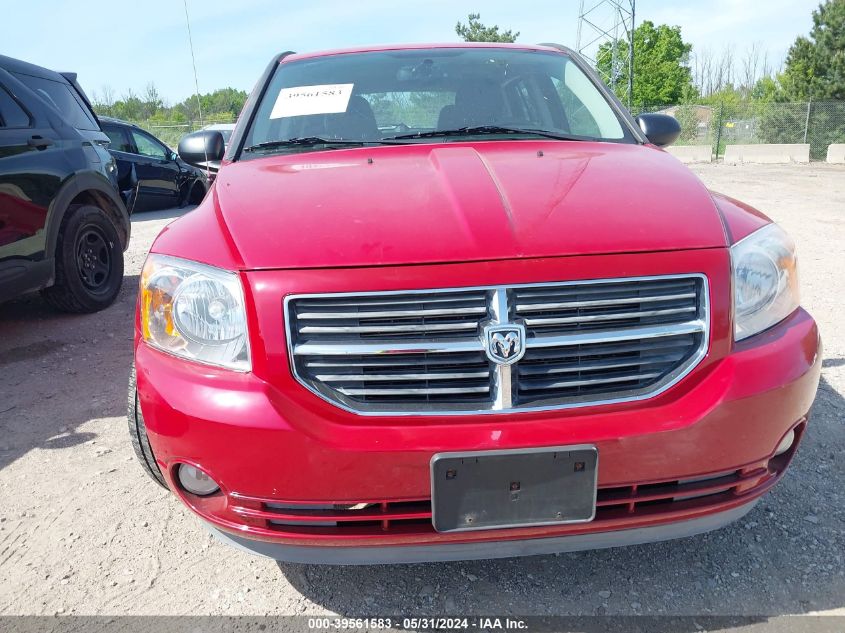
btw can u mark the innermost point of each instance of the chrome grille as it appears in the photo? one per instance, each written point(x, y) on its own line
point(586, 372)
point(579, 307)
point(421, 352)
point(462, 377)
point(412, 316)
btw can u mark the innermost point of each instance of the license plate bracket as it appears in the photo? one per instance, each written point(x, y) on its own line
point(488, 490)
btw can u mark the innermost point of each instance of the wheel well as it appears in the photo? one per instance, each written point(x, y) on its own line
point(197, 193)
point(101, 200)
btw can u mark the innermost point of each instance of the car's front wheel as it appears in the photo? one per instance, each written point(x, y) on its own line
point(197, 193)
point(138, 434)
point(89, 262)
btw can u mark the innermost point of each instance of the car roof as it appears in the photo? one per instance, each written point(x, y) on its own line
point(554, 48)
point(111, 119)
point(10, 64)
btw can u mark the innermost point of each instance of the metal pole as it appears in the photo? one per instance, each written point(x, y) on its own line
point(807, 120)
point(719, 130)
point(631, 57)
point(580, 21)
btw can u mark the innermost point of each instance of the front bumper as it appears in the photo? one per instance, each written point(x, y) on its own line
point(298, 472)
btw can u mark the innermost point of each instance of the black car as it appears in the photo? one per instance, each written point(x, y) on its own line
point(63, 224)
point(163, 179)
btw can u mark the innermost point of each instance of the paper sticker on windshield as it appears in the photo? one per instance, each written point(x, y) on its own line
point(324, 99)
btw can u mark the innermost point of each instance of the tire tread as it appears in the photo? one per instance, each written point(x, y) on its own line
point(138, 434)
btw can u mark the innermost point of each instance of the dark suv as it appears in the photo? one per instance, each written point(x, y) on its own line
point(63, 224)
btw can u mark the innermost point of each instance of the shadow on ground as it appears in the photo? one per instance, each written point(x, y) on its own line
point(80, 360)
point(46, 356)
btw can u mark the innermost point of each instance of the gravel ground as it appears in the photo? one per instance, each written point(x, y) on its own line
point(82, 531)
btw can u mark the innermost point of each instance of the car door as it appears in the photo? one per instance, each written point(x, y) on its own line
point(157, 171)
point(26, 183)
point(121, 147)
point(31, 165)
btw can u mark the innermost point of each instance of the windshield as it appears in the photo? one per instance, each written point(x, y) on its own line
point(415, 95)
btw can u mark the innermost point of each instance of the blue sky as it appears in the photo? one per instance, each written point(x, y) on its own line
point(128, 45)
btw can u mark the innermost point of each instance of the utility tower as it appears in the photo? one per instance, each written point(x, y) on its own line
point(608, 21)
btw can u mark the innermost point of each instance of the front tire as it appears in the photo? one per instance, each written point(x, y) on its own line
point(197, 193)
point(138, 434)
point(89, 262)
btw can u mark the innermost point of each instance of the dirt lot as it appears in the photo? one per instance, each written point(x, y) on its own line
point(83, 531)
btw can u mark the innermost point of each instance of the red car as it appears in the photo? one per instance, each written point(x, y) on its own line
point(451, 302)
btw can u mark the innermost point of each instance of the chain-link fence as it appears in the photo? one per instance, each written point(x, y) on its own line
point(170, 132)
point(817, 123)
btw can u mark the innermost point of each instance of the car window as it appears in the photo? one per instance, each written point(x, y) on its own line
point(409, 109)
point(62, 97)
point(147, 146)
point(119, 139)
point(11, 113)
point(523, 103)
point(588, 112)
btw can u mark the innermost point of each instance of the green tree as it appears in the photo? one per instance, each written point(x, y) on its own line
point(169, 123)
point(766, 89)
point(815, 66)
point(475, 31)
point(662, 75)
point(224, 103)
point(687, 116)
point(814, 73)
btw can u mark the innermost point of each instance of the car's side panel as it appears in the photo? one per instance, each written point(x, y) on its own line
point(33, 162)
point(26, 189)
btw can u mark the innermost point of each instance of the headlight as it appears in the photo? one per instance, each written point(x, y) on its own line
point(194, 311)
point(765, 280)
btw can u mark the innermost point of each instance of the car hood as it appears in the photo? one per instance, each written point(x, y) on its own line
point(454, 202)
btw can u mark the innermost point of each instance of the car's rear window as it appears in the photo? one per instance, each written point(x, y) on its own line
point(11, 113)
point(63, 97)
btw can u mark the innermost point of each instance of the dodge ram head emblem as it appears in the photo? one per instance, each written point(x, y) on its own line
point(504, 344)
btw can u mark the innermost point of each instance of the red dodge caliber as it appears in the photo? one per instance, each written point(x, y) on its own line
point(451, 302)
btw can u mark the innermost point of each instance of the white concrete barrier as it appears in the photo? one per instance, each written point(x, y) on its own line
point(836, 153)
point(768, 153)
point(691, 153)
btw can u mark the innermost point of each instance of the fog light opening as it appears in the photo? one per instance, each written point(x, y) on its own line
point(786, 443)
point(196, 481)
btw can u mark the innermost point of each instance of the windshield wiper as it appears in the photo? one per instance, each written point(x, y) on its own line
point(305, 141)
point(311, 141)
point(486, 129)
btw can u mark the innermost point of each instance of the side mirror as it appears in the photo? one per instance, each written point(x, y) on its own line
point(202, 149)
point(660, 129)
